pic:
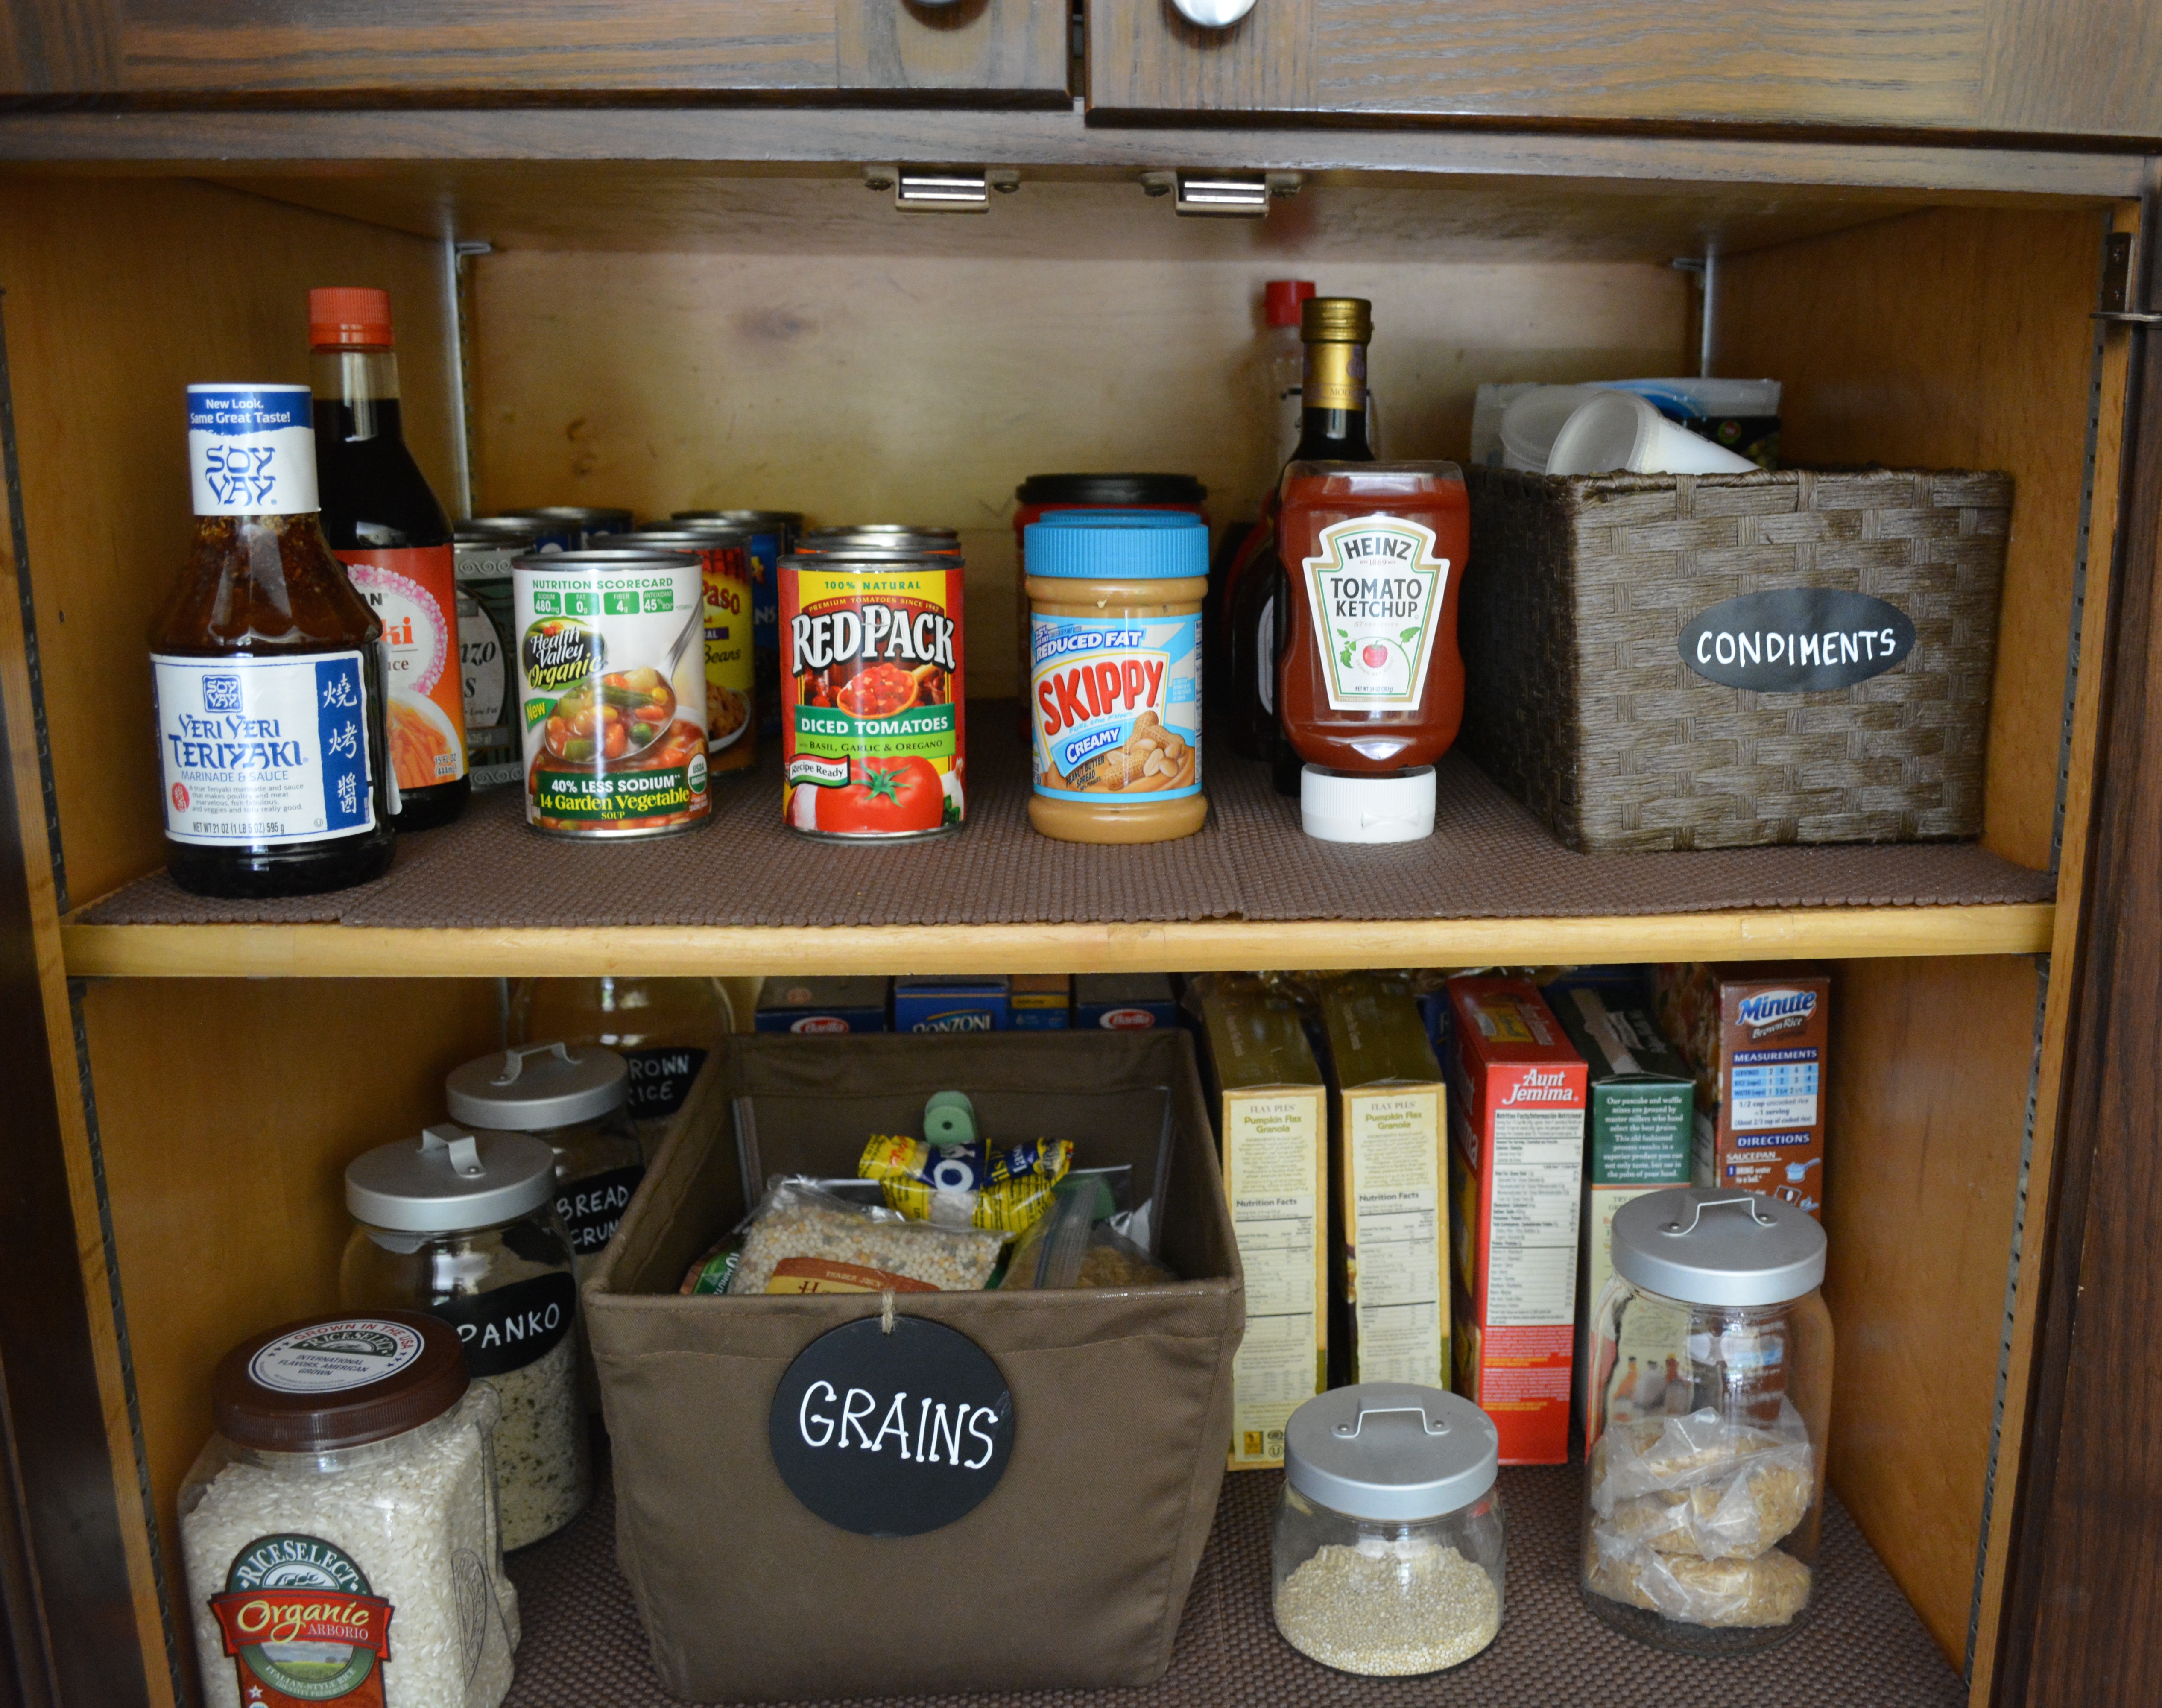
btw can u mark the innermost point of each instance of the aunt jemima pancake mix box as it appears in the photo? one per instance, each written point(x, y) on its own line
point(1757, 1038)
point(1516, 1170)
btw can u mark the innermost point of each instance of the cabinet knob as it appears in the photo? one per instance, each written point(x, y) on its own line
point(1214, 14)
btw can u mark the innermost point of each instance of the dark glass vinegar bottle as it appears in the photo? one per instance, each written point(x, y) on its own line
point(1335, 331)
point(387, 527)
point(267, 672)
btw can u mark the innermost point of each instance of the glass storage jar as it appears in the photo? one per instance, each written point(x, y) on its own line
point(349, 1489)
point(1389, 1555)
point(1701, 1510)
point(573, 1096)
point(462, 1225)
point(663, 1029)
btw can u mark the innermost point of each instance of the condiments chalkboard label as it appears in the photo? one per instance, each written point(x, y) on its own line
point(302, 1625)
point(511, 1327)
point(660, 1077)
point(593, 1207)
point(892, 1433)
point(1797, 641)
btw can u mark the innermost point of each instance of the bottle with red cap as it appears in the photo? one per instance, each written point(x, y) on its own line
point(1286, 360)
point(387, 527)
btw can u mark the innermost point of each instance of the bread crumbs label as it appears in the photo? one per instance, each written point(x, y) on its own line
point(300, 1625)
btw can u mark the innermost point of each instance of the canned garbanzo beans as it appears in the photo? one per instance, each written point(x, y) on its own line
point(612, 686)
point(871, 731)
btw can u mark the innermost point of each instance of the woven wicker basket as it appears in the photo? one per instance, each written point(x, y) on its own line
point(1577, 700)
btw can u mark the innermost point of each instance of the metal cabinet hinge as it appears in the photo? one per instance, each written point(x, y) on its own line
point(2114, 300)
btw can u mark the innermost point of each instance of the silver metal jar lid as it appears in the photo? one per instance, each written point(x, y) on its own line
point(532, 1087)
point(450, 1179)
point(1390, 1451)
point(1707, 1247)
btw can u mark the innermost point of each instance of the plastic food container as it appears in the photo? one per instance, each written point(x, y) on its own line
point(1701, 1509)
point(573, 1097)
point(1114, 675)
point(462, 1225)
point(343, 1517)
point(1389, 1548)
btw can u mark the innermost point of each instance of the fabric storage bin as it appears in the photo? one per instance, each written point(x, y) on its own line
point(1582, 591)
point(1074, 1572)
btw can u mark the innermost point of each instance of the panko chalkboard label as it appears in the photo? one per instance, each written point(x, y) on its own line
point(1797, 641)
point(510, 1327)
point(892, 1433)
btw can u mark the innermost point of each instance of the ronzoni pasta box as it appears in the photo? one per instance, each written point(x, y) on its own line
point(1516, 1167)
point(1388, 1184)
point(1270, 1119)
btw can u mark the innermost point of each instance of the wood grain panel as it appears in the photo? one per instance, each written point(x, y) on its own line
point(2079, 67)
point(229, 1110)
point(121, 295)
point(973, 44)
point(1929, 1073)
point(1952, 338)
point(57, 47)
point(2083, 1618)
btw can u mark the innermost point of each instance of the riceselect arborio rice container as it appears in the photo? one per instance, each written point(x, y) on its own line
point(612, 686)
point(872, 704)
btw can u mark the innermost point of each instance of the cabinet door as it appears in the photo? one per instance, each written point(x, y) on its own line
point(2040, 67)
point(444, 49)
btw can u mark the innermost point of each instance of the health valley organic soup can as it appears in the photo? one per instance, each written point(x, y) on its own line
point(612, 691)
point(872, 717)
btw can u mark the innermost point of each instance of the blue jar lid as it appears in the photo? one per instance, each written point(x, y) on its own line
point(1118, 544)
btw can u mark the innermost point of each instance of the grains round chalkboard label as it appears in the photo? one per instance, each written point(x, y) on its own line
point(892, 1433)
point(1797, 641)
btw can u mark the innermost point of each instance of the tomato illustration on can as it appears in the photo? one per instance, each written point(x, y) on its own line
point(872, 718)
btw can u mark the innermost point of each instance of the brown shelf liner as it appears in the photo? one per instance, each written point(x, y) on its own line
point(584, 1648)
point(1488, 859)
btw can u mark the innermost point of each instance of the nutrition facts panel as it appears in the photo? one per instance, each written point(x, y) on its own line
point(1530, 1261)
point(1399, 1235)
point(1274, 1172)
point(1772, 1089)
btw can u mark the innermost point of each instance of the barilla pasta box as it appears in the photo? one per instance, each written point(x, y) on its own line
point(1271, 1124)
point(950, 1004)
point(1638, 1139)
point(1759, 1037)
point(815, 1007)
point(1388, 1165)
point(1519, 1090)
point(1038, 1001)
point(1122, 1001)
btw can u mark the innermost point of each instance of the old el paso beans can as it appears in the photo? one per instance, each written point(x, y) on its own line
point(871, 726)
point(612, 691)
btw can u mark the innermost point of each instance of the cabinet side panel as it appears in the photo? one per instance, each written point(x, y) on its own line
point(1956, 338)
point(228, 1110)
point(119, 295)
point(1928, 1077)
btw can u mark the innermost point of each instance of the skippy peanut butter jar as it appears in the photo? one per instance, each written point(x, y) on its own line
point(1114, 674)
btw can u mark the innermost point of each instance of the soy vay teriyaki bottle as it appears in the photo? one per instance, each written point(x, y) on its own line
point(266, 670)
point(395, 540)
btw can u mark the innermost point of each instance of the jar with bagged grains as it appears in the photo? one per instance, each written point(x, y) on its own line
point(662, 1028)
point(487, 646)
point(339, 1530)
point(462, 1224)
point(572, 1097)
point(1700, 1521)
point(612, 691)
point(1389, 1554)
point(1115, 602)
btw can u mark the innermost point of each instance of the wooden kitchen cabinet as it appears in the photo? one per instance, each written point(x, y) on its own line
point(2021, 68)
point(444, 49)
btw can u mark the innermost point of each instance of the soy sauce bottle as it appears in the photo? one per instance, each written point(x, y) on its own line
point(267, 672)
point(392, 536)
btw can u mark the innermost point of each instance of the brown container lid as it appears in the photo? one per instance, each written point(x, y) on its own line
point(329, 1382)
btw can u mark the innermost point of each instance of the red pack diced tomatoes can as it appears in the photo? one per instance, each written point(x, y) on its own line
point(872, 729)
